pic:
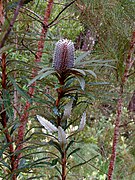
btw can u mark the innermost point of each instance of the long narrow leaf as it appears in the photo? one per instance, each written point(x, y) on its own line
point(67, 111)
point(80, 71)
point(62, 137)
point(81, 81)
point(20, 90)
point(40, 76)
point(47, 125)
point(82, 122)
point(96, 61)
point(45, 69)
point(82, 56)
point(91, 72)
point(74, 151)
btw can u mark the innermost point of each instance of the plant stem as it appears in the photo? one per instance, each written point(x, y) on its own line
point(64, 165)
point(4, 117)
point(129, 64)
point(24, 118)
point(20, 3)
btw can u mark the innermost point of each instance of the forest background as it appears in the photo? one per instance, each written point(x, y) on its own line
point(102, 86)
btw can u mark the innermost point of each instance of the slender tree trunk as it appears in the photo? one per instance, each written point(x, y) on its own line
point(24, 117)
point(129, 64)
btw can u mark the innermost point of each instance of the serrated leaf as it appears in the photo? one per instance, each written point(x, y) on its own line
point(82, 122)
point(91, 72)
point(62, 137)
point(47, 125)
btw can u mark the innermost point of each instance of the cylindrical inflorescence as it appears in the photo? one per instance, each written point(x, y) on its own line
point(63, 55)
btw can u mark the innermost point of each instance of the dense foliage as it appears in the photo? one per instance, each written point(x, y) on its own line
point(31, 85)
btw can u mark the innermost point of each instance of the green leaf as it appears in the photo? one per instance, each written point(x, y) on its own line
point(91, 72)
point(93, 61)
point(5, 164)
point(74, 151)
point(54, 162)
point(80, 71)
point(47, 73)
point(69, 144)
point(7, 104)
point(41, 76)
point(81, 81)
point(14, 127)
point(50, 97)
point(27, 1)
point(6, 48)
point(20, 90)
point(56, 145)
point(45, 69)
point(4, 147)
point(99, 83)
point(22, 163)
point(82, 56)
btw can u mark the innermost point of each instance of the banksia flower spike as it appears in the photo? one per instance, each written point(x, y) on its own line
point(63, 55)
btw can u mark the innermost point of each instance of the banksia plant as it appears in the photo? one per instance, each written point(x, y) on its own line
point(63, 55)
point(64, 102)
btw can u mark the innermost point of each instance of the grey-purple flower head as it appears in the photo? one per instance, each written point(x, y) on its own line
point(63, 55)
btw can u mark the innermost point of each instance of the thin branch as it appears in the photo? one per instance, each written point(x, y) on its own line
point(29, 10)
point(20, 3)
point(129, 64)
point(61, 13)
point(4, 115)
point(83, 163)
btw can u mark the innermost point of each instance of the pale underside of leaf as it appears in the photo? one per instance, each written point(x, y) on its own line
point(82, 122)
point(62, 137)
point(91, 72)
point(79, 71)
point(67, 110)
point(81, 81)
point(47, 125)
